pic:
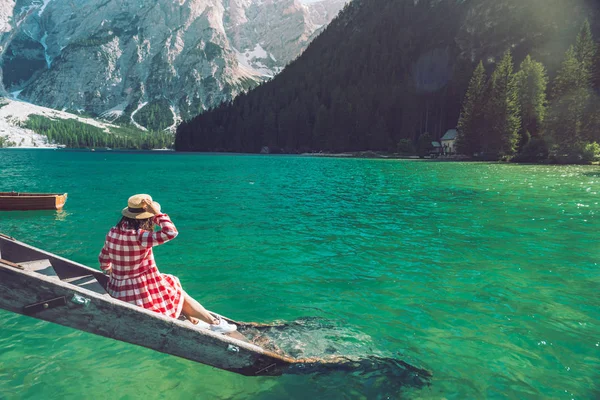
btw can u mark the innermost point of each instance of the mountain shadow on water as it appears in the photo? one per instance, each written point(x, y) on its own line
point(384, 71)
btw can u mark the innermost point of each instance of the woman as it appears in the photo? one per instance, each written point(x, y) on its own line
point(128, 259)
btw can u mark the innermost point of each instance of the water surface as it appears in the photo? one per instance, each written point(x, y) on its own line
point(486, 274)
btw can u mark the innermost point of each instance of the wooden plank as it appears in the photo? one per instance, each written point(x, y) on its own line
point(76, 280)
point(43, 267)
point(35, 265)
point(10, 264)
point(88, 282)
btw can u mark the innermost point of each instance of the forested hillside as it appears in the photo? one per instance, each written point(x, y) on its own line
point(384, 71)
point(75, 134)
point(24, 124)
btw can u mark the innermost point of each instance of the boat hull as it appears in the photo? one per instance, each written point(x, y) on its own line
point(105, 316)
point(15, 201)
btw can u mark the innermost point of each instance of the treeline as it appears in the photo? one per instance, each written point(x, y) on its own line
point(518, 116)
point(76, 134)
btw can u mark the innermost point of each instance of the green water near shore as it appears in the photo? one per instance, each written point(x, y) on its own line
point(486, 274)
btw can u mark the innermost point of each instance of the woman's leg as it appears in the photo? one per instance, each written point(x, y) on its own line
point(191, 308)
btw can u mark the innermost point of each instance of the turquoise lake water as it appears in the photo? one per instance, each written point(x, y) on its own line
point(485, 274)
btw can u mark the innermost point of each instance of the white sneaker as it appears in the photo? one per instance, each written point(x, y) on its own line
point(223, 327)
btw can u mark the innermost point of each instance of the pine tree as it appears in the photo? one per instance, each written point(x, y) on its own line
point(502, 111)
point(570, 99)
point(470, 123)
point(596, 69)
point(585, 53)
point(594, 105)
point(532, 82)
point(585, 47)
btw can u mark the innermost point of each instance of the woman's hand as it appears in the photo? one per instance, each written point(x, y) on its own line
point(149, 206)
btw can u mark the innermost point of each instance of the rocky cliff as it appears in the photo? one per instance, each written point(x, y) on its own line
point(113, 58)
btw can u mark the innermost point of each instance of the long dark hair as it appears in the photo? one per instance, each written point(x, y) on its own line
point(136, 224)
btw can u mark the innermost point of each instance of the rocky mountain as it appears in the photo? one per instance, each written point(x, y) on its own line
point(388, 71)
point(163, 59)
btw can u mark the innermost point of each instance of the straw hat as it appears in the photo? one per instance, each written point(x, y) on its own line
point(135, 207)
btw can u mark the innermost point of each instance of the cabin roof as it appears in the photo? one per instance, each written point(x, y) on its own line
point(450, 134)
point(436, 144)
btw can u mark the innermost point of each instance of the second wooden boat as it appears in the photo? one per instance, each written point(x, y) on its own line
point(17, 201)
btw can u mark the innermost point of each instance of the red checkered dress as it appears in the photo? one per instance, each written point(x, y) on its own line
point(135, 277)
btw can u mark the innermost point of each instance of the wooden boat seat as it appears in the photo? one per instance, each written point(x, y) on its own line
point(88, 282)
point(43, 267)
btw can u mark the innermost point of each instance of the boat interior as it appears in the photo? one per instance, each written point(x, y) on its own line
point(12, 254)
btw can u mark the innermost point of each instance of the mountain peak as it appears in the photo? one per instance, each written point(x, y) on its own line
point(188, 54)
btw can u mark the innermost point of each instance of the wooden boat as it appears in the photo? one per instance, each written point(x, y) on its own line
point(14, 201)
point(43, 285)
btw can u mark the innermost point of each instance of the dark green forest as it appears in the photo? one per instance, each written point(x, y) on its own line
point(76, 134)
point(385, 74)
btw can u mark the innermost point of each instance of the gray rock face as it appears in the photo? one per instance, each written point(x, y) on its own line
point(112, 57)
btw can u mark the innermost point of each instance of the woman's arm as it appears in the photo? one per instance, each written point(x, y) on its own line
point(167, 232)
point(104, 257)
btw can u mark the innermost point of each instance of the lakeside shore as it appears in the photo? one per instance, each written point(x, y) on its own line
point(384, 155)
point(448, 158)
point(358, 154)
